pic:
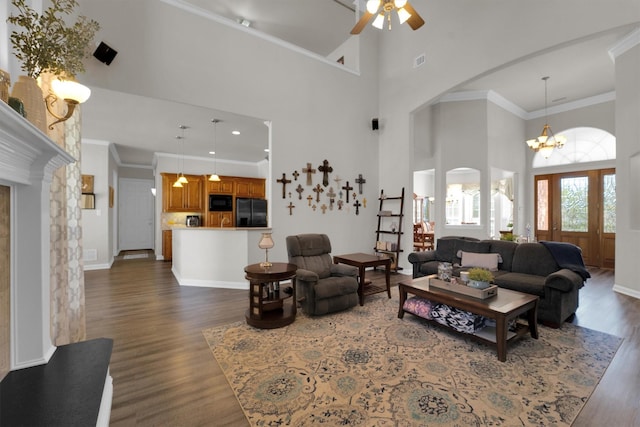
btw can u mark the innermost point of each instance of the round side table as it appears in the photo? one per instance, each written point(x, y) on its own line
point(269, 306)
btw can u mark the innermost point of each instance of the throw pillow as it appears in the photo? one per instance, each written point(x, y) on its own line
point(472, 259)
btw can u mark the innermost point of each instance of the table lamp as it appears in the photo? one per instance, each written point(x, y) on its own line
point(266, 243)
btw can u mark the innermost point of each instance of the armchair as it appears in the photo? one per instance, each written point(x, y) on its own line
point(322, 286)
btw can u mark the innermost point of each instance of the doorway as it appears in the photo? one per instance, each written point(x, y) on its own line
point(579, 208)
point(136, 219)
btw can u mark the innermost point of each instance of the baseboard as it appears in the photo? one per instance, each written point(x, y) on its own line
point(626, 291)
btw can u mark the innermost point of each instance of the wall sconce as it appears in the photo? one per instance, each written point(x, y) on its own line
point(73, 94)
point(266, 243)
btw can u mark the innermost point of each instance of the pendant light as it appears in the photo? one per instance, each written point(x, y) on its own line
point(547, 141)
point(181, 178)
point(214, 176)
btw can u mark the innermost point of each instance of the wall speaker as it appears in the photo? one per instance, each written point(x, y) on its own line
point(374, 124)
point(105, 53)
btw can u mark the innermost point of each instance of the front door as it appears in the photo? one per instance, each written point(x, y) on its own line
point(578, 208)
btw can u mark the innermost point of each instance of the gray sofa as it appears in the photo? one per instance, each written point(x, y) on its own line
point(526, 267)
point(321, 286)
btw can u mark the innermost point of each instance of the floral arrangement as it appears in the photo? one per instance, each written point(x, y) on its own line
point(480, 274)
point(46, 43)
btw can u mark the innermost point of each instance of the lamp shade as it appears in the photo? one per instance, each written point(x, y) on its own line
point(71, 90)
point(266, 242)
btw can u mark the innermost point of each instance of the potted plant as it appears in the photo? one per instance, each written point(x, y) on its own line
point(45, 43)
point(480, 278)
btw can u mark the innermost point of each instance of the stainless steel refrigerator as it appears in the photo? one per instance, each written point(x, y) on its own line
point(251, 212)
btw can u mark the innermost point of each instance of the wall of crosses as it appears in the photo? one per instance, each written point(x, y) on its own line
point(320, 189)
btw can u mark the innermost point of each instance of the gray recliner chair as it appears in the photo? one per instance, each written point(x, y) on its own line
point(321, 286)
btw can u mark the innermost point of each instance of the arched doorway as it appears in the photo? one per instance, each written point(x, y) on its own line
point(577, 205)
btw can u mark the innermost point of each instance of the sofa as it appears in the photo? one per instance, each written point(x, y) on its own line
point(553, 271)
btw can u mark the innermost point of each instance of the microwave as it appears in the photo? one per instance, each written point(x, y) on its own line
point(220, 202)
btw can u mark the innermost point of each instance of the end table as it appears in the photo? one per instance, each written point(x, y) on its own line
point(269, 306)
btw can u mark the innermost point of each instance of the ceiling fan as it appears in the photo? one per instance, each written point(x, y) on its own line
point(383, 8)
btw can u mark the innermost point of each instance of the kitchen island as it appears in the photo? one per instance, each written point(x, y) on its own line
point(215, 257)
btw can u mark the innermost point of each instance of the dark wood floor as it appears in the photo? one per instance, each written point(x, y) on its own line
point(165, 375)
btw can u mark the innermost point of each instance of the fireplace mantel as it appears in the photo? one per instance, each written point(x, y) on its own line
point(28, 159)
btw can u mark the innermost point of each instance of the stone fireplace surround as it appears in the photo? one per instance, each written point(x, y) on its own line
point(28, 159)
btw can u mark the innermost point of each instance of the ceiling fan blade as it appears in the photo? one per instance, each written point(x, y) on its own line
point(415, 21)
point(362, 22)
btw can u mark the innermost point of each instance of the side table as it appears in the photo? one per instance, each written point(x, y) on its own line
point(269, 306)
point(362, 261)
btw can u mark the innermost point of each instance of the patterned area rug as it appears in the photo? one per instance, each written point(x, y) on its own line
point(366, 367)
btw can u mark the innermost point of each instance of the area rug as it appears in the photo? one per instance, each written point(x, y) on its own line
point(366, 367)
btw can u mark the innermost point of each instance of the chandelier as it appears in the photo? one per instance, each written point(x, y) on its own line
point(547, 141)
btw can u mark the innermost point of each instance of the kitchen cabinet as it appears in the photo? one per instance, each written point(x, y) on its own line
point(250, 187)
point(224, 186)
point(167, 245)
point(215, 219)
point(188, 198)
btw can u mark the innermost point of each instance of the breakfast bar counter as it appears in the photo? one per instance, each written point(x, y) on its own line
point(214, 257)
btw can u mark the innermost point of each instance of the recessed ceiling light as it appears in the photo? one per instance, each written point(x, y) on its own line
point(266, 150)
point(212, 152)
point(235, 132)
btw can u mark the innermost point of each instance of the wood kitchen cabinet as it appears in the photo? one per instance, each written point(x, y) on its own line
point(167, 245)
point(215, 219)
point(224, 186)
point(250, 187)
point(188, 198)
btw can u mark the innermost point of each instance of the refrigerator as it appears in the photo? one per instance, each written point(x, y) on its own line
point(251, 212)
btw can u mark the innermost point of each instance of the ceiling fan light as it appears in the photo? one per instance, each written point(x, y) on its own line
point(379, 21)
point(373, 6)
point(403, 15)
point(400, 3)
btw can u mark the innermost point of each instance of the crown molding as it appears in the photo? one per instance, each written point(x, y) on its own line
point(499, 100)
point(629, 41)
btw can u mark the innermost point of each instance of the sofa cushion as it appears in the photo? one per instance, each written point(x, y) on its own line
point(527, 283)
point(533, 258)
point(335, 286)
point(445, 250)
point(506, 249)
point(472, 259)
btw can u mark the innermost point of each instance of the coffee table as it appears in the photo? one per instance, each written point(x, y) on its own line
point(362, 261)
point(503, 307)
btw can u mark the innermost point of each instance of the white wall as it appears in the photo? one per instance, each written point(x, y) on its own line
point(318, 110)
point(97, 223)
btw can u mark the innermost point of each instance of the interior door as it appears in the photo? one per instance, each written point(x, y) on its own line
point(578, 208)
point(136, 220)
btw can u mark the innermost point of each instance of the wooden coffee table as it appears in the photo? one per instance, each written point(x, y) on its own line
point(503, 307)
point(362, 261)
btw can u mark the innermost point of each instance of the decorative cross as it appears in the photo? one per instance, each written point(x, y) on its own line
point(332, 198)
point(289, 194)
point(340, 203)
point(324, 208)
point(357, 205)
point(364, 202)
point(299, 190)
point(308, 170)
point(314, 207)
point(284, 182)
point(326, 170)
point(360, 180)
point(337, 179)
point(347, 188)
point(309, 199)
point(295, 175)
point(318, 190)
point(290, 207)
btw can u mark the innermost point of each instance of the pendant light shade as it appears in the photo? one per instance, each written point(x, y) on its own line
point(181, 178)
point(214, 176)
